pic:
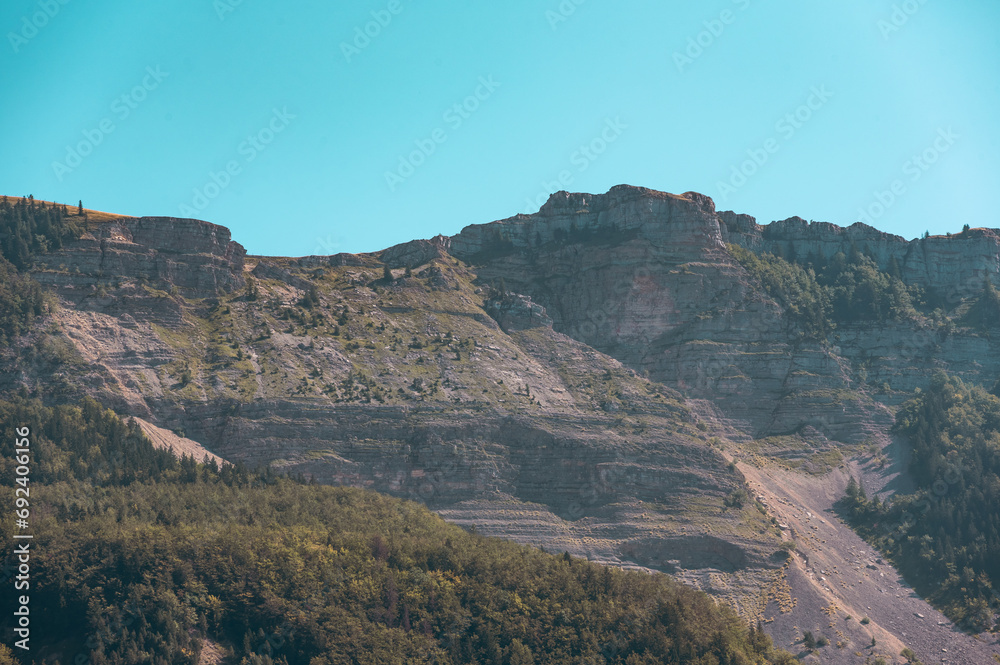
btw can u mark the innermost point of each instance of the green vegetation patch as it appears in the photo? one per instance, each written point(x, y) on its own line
point(818, 294)
point(944, 537)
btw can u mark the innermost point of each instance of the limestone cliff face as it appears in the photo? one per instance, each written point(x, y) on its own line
point(517, 312)
point(416, 252)
point(574, 466)
point(645, 277)
point(641, 275)
point(198, 257)
point(671, 223)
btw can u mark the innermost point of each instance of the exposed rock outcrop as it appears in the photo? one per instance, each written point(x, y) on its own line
point(195, 256)
point(517, 312)
point(956, 265)
point(416, 252)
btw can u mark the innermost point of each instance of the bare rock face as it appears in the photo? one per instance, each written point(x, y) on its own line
point(267, 270)
point(645, 277)
point(670, 222)
point(345, 259)
point(641, 275)
point(416, 252)
point(515, 312)
point(442, 458)
point(196, 257)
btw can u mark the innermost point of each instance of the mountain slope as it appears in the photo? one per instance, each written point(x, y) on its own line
point(578, 378)
point(141, 558)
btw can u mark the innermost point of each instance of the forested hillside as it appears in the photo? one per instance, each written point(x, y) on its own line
point(139, 557)
point(29, 227)
point(945, 537)
point(817, 294)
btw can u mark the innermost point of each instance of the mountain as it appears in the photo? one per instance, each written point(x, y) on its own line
point(633, 378)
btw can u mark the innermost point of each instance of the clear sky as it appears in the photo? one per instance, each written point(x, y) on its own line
point(314, 127)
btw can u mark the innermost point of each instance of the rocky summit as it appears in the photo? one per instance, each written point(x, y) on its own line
point(626, 377)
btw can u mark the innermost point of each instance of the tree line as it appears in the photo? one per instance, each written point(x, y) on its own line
point(27, 228)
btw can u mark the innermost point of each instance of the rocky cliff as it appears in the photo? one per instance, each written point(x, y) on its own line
point(188, 254)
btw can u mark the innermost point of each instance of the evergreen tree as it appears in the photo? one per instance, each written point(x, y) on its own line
point(985, 311)
point(310, 298)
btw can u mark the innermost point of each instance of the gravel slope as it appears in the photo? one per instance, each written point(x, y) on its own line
point(834, 566)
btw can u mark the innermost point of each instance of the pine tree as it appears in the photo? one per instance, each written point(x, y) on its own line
point(311, 297)
point(79, 208)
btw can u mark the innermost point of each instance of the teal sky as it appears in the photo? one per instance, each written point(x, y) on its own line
point(279, 121)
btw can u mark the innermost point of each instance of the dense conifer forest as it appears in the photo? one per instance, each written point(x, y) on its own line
point(818, 294)
point(27, 227)
point(945, 537)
